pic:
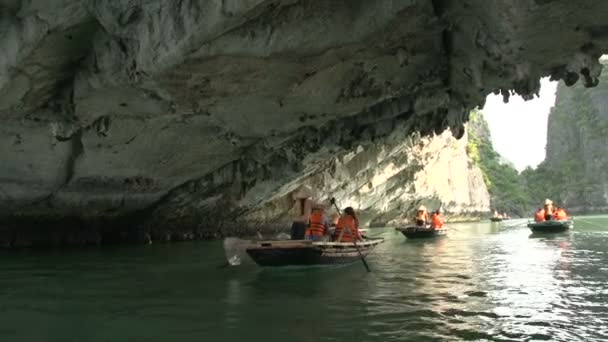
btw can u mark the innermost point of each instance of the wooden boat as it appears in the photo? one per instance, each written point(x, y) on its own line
point(307, 253)
point(552, 226)
point(364, 232)
point(496, 219)
point(417, 232)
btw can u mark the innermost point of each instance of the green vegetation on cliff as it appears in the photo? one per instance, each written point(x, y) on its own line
point(575, 171)
point(507, 191)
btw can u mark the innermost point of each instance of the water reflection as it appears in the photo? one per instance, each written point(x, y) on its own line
point(481, 282)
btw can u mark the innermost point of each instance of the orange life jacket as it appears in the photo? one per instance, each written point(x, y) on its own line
point(316, 226)
point(437, 221)
point(539, 216)
point(560, 214)
point(349, 234)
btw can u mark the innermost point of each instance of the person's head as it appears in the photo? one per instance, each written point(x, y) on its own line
point(437, 212)
point(318, 206)
point(351, 212)
point(302, 192)
point(421, 208)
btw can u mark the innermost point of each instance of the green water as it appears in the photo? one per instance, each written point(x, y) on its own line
point(481, 282)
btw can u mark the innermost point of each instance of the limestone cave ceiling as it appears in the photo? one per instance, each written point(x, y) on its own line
point(142, 96)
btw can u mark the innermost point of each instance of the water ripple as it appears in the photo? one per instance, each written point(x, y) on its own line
point(481, 282)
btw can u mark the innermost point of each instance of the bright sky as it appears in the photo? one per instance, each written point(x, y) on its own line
point(519, 128)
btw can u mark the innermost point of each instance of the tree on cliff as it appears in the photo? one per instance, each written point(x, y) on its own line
point(506, 188)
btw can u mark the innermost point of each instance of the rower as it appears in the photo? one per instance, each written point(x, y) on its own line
point(347, 229)
point(301, 212)
point(548, 209)
point(422, 216)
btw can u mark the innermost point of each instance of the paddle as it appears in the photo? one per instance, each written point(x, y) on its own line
point(333, 201)
point(234, 250)
point(450, 228)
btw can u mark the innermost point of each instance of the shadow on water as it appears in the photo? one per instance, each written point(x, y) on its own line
point(550, 236)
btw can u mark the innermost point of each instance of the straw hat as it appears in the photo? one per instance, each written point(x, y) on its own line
point(303, 192)
point(548, 201)
point(421, 208)
point(318, 205)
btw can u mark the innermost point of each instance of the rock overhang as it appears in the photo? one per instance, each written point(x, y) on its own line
point(139, 98)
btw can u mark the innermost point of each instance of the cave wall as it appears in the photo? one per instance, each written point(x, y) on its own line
point(118, 109)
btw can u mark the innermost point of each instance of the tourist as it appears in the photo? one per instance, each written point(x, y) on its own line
point(437, 220)
point(318, 225)
point(347, 229)
point(539, 216)
point(560, 214)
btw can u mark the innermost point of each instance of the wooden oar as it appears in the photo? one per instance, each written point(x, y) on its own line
point(450, 228)
point(333, 201)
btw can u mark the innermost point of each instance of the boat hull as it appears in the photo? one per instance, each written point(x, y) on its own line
point(415, 232)
point(307, 253)
point(551, 226)
point(496, 219)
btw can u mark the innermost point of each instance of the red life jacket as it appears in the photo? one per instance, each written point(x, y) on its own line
point(437, 221)
point(316, 225)
point(539, 216)
point(349, 235)
point(560, 214)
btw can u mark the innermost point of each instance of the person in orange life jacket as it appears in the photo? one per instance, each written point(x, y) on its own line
point(560, 214)
point(348, 227)
point(318, 224)
point(301, 212)
point(539, 216)
point(548, 209)
point(422, 216)
point(437, 220)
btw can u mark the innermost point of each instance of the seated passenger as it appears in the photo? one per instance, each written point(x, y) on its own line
point(437, 220)
point(539, 216)
point(318, 225)
point(560, 214)
point(347, 229)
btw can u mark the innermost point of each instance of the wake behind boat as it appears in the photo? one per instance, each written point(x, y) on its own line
point(551, 226)
point(416, 232)
point(308, 253)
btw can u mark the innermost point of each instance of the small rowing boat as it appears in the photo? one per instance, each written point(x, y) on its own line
point(364, 232)
point(417, 232)
point(308, 253)
point(551, 226)
point(496, 219)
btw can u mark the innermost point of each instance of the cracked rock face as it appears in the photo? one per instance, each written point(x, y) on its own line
point(124, 109)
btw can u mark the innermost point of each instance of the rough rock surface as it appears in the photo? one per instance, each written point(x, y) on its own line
point(119, 109)
point(576, 147)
